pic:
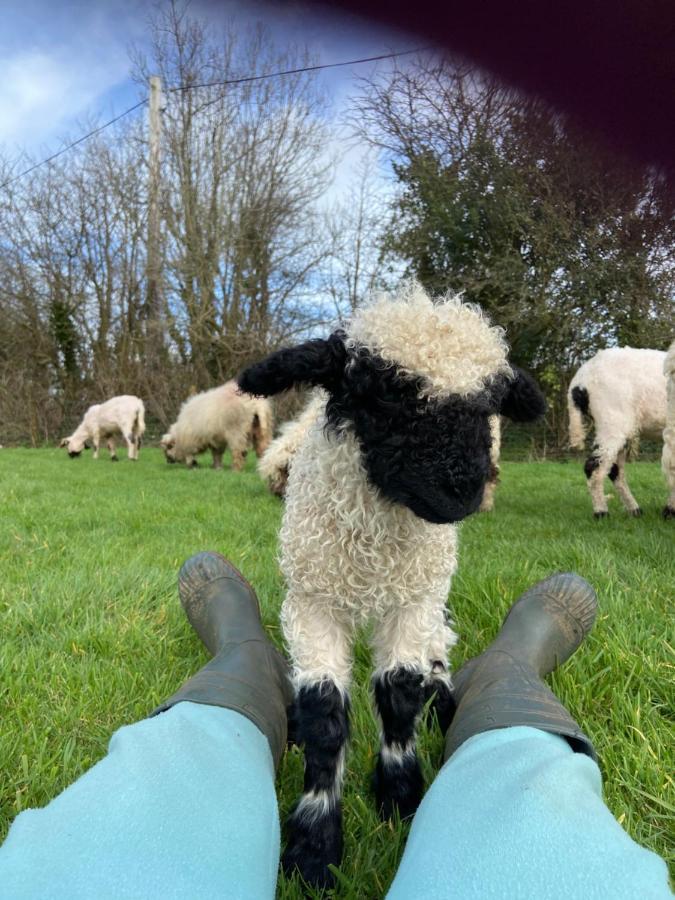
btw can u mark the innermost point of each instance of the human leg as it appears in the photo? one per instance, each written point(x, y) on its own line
point(517, 810)
point(183, 805)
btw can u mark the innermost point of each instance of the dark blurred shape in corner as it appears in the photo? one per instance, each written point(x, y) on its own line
point(608, 63)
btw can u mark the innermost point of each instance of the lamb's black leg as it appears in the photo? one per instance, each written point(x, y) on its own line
point(399, 695)
point(315, 826)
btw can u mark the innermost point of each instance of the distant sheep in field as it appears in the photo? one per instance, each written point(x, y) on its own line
point(123, 416)
point(215, 420)
point(668, 458)
point(399, 451)
point(623, 390)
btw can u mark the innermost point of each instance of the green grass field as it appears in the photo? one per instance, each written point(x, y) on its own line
point(93, 637)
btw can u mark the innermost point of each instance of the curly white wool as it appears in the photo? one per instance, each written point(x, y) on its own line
point(449, 343)
point(350, 556)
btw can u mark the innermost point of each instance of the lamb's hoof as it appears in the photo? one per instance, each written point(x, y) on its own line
point(194, 464)
point(636, 513)
point(399, 786)
point(114, 459)
point(603, 514)
point(668, 512)
point(313, 845)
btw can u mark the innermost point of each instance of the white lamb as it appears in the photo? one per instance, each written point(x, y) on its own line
point(624, 391)
point(124, 415)
point(668, 458)
point(215, 420)
point(399, 451)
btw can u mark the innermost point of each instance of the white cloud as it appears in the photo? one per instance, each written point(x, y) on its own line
point(49, 78)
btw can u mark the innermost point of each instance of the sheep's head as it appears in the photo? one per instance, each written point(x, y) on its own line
point(168, 445)
point(75, 445)
point(416, 381)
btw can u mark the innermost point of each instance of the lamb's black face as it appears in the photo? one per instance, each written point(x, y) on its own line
point(432, 456)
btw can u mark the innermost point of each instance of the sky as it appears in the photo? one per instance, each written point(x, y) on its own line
point(65, 63)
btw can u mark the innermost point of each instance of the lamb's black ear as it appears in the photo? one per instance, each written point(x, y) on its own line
point(317, 362)
point(523, 400)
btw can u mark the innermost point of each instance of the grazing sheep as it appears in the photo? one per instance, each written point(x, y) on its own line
point(274, 464)
point(399, 451)
point(123, 415)
point(624, 391)
point(668, 458)
point(216, 419)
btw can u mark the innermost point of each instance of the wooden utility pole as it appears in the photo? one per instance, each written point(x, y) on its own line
point(154, 292)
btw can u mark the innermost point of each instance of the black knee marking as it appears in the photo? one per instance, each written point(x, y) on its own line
point(397, 781)
point(580, 399)
point(591, 464)
point(614, 472)
point(321, 722)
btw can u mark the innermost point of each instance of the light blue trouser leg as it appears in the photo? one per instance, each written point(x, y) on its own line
point(183, 806)
point(516, 814)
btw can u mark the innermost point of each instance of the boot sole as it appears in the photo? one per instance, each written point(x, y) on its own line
point(195, 574)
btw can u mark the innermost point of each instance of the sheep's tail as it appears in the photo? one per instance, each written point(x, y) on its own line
point(139, 421)
point(577, 407)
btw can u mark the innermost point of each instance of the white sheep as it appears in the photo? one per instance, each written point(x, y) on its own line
point(124, 415)
point(215, 420)
point(398, 452)
point(623, 390)
point(668, 457)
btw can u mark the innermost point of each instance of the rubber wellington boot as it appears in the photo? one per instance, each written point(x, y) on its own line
point(247, 673)
point(503, 686)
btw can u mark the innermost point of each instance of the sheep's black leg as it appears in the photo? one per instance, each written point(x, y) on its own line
point(399, 695)
point(315, 826)
point(438, 687)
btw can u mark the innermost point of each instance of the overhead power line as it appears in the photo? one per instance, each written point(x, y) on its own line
point(74, 143)
point(189, 87)
point(246, 78)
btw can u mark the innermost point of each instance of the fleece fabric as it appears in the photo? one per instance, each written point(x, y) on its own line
point(183, 806)
point(515, 813)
